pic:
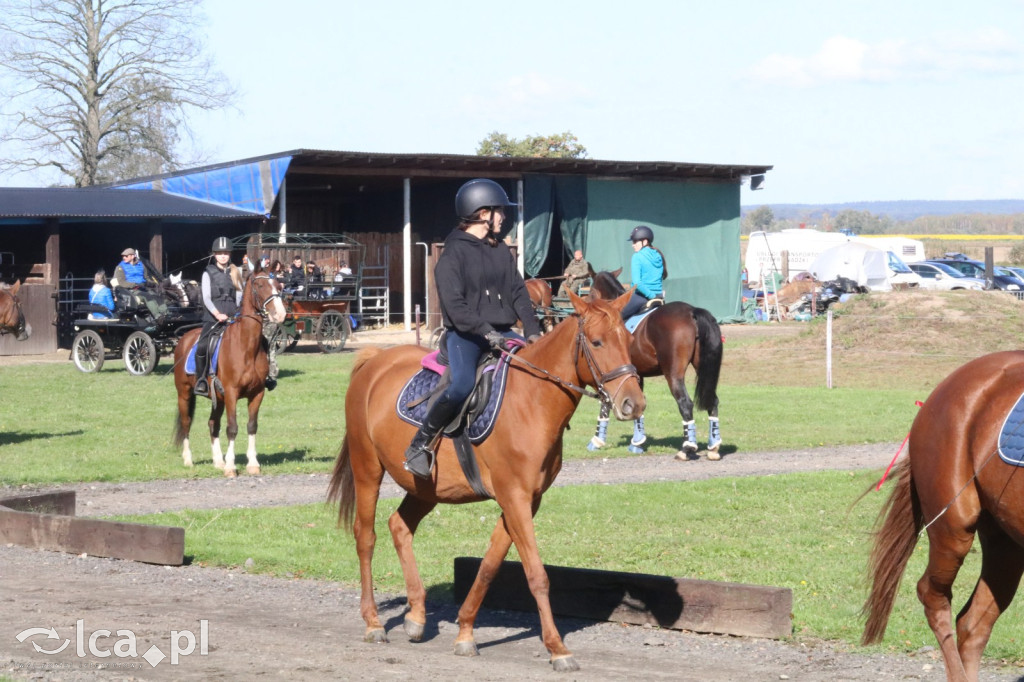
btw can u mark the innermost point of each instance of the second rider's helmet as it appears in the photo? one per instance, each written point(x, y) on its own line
point(641, 232)
point(477, 194)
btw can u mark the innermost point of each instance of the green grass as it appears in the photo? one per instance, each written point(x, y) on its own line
point(795, 531)
point(65, 426)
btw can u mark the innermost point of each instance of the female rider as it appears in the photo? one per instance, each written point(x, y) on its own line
point(222, 294)
point(482, 295)
point(647, 270)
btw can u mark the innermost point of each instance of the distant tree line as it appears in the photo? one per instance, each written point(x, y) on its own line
point(865, 222)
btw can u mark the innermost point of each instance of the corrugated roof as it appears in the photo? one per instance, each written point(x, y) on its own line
point(91, 203)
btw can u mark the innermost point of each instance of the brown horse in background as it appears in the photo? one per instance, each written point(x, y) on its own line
point(241, 373)
point(540, 297)
point(954, 483)
point(12, 318)
point(673, 337)
point(517, 462)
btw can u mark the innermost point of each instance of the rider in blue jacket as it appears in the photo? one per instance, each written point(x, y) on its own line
point(647, 270)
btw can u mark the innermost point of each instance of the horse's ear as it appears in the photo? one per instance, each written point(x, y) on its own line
point(579, 304)
point(621, 301)
point(616, 273)
point(14, 289)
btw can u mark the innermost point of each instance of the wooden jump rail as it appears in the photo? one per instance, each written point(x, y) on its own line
point(641, 599)
point(48, 521)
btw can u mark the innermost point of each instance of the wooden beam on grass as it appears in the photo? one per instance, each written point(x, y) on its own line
point(641, 599)
point(47, 521)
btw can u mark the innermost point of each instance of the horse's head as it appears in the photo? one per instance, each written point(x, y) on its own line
point(12, 319)
point(264, 292)
point(175, 279)
point(602, 355)
point(606, 286)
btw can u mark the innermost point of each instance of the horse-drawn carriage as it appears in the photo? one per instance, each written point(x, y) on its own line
point(147, 323)
point(321, 298)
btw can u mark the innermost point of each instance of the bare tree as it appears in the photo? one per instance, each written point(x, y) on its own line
point(100, 89)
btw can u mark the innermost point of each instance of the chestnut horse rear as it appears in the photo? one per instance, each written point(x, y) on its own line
point(954, 483)
point(517, 462)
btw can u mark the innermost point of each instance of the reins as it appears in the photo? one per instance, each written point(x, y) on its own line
point(583, 345)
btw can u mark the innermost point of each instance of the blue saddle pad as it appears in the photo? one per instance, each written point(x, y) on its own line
point(1011, 436)
point(424, 381)
point(190, 359)
point(634, 322)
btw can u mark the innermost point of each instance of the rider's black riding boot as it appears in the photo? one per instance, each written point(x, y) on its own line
point(419, 456)
point(202, 387)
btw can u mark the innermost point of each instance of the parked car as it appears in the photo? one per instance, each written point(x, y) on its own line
point(1006, 281)
point(942, 277)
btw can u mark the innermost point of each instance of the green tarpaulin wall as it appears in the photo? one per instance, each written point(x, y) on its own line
point(696, 225)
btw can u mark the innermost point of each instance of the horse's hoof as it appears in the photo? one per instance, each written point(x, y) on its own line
point(565, 664)
point(713, 454)
point(595, 444)
point(683, 456)
point(376, 636)
point(413, 630)
point(635, 449)
point(219, 465)
point(188, 463)
point(230, 473)
point(252, 470)
point(466, 649)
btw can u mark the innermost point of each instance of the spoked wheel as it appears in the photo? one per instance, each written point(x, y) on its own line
point(332, 331)
point(140, 354)
point(87, 351)
point(278, 339)
point(435, 337)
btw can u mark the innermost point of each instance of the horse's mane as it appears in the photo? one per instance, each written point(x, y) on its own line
point(607, 282)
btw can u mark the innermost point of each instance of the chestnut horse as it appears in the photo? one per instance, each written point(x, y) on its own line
point(12, 319)
point(673, 337)
point(518, 461)
point(540, 296)
point(241, 372)
point(954, 483)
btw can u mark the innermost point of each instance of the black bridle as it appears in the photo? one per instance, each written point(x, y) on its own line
point(584, 347)
point(261, 308)
point(19, 328)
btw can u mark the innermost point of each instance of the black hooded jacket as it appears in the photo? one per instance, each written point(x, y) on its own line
point(480, 288)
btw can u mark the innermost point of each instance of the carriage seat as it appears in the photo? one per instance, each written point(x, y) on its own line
point(96, 312)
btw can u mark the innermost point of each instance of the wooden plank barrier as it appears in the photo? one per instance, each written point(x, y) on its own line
point(639, 599)
point(48, 521)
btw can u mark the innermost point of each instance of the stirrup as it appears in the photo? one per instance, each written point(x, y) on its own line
point(420, 463)
point(204, 391)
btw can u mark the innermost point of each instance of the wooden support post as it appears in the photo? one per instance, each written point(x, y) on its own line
point(47, 521)
point(639, 599)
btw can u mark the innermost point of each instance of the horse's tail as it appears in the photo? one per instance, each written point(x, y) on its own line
point(709, 336)
point(895, 539)
point(179, 431)
point(342, 488)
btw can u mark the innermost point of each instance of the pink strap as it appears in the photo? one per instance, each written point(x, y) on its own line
point(430, 362)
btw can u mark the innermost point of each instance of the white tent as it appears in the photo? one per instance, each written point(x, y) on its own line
point(867, 265)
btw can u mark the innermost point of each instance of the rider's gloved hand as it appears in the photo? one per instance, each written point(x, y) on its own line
point(498, 341)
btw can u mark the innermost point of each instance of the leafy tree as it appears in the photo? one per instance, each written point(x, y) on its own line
point(758, 220)
point(564, 146)
point(99, 90)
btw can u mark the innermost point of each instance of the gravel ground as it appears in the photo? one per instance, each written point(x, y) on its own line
point(279, 628)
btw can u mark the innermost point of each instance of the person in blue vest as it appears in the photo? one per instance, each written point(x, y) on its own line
point(131, 274)
point(647, 271)
point(222, 295)
point(482, 296)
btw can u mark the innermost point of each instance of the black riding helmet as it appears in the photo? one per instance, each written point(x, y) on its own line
point(641, 232)
point(477, 194)
point(220, 244)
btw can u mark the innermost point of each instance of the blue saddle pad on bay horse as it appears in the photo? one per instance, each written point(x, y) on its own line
point(634, 322)
point(424, 382)
point(1011, 436)
point(190, 359)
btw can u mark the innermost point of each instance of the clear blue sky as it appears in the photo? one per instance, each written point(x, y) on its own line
point(852, 101)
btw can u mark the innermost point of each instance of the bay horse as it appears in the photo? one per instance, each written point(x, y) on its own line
point(673, 337)
point(518, 461)
point(540, 296)
point(241, 372)
point(12, 318)
point(954, 484)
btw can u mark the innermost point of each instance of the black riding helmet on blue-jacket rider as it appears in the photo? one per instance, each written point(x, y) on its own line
point(482, 296)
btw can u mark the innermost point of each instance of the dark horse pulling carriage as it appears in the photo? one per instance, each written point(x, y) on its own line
point(135, 331)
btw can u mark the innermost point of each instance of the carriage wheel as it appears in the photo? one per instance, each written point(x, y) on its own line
point(332, 331)
point(435, 337)
point(140, 354)
point(87, 351)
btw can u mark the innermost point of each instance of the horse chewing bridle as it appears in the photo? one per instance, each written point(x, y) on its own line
point(600, 378)
point(19, 328)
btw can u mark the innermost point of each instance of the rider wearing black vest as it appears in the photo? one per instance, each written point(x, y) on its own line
point(482, 295)
point(220, 302)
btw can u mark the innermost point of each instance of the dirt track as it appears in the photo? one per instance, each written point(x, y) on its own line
point(277, 628)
